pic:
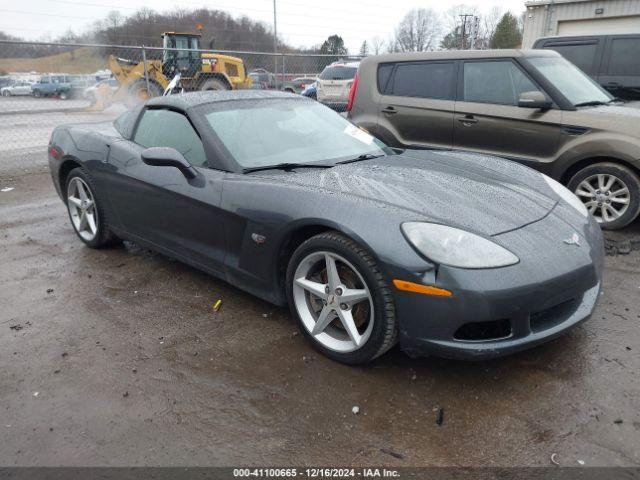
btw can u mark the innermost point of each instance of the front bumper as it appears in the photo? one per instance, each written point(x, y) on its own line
point(496, 312)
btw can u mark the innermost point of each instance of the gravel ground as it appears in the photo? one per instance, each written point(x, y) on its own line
point(116, 357)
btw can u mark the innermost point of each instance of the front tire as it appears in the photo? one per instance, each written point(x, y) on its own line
point(86, 212)
point(139, 93)
point(6, 93)
point(610, 191)
point(340, 299)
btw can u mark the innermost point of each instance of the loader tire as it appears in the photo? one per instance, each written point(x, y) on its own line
point(214, 84)
point(138, 92)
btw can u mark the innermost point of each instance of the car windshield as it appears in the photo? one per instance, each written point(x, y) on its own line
point(338, 73)
point(272, 132)
point(572, 82)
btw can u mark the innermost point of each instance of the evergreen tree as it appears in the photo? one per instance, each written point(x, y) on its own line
point(507, 33)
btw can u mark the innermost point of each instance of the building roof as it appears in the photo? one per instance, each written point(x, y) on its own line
point(537, 3)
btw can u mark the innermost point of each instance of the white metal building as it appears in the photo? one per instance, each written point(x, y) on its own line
point(548, 18)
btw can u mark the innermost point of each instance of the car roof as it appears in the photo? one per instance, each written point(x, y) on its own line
point(459, 55)
point(569, 38)
point(188, 100)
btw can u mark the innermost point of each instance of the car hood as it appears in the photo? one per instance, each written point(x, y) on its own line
point(482, 194)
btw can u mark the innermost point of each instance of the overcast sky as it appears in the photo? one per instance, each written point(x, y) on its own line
point(300, 22)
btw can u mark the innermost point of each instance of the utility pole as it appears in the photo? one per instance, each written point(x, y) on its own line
point(275, 44)
point(463, 29)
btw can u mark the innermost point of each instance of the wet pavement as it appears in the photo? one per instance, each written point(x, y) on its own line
point(116, 357)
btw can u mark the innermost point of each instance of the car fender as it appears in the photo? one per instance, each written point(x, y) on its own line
point(600, 145)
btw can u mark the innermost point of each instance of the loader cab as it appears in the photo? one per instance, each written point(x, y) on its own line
point(176, 54)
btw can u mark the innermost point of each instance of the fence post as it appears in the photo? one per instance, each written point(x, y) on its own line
point(146, 72)
point(283, 71)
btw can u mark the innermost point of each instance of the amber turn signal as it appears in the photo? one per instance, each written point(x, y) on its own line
point(418, 288)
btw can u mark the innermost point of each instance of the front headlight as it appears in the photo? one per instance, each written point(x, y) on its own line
point(456, 248)
point(566, 195)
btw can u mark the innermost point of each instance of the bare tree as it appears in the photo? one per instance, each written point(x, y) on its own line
point(377, 44)
point(418, 31)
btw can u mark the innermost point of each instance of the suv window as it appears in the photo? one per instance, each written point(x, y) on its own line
point(424, 80)
point(338, 73)
point(499, 82)
point(624, 56)
point(384, 73)
point(581, 54)
point(166, 128)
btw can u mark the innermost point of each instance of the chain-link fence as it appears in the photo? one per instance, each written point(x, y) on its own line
point(43, 84)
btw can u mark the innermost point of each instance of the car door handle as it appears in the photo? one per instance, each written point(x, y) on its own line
point(468, 120)
point(389, 111)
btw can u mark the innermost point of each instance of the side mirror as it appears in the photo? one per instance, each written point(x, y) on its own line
point(168, 157)
point(535, 99)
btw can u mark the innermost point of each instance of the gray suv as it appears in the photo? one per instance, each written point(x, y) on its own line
point(531, 106)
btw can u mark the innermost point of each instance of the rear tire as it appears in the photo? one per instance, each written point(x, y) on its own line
point(610, 191)
point(214, 84)
point(37, 94)
point(94, 233)
point(356, 297)
point(64, 95)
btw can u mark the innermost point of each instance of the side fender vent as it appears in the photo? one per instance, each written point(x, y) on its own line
point(574, 131)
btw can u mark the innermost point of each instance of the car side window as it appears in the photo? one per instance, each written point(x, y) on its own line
point(624, 56)
point(167, 128)
point(424, 80)
point(581, 54)
point(499, 82)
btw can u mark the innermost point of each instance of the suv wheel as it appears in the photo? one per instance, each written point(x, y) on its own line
point(610, 191)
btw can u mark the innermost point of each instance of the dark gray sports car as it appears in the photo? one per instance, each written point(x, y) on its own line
point(452, 254)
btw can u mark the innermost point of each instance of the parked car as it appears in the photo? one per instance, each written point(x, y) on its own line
point(260, 75)
point(334, 83)
point(91, 93)
point(533, 106)
point(297, 85)
point(52, 85)
point(454, 254)
point(611, 60)
point(19, 88)
point(311, 91)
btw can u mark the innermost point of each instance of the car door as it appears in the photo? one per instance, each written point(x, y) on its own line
point(417, 103)
point(159, 204)
point(488, 119)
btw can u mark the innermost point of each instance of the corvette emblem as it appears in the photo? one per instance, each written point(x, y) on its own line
point(574, 240)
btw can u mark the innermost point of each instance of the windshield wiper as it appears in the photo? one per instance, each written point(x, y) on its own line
point(359, 158)
point(592, 103)
point(285, 166)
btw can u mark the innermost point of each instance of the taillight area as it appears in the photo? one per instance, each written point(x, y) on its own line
point(55, 152)
point(352, 92)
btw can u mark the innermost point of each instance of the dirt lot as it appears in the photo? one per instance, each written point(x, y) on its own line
point(116, 357)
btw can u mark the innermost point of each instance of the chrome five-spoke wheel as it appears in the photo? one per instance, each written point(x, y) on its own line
point(606, 196)
point(82, 209)
point(333, 301)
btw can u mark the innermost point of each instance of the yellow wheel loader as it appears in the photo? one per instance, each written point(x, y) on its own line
point(198, 71)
